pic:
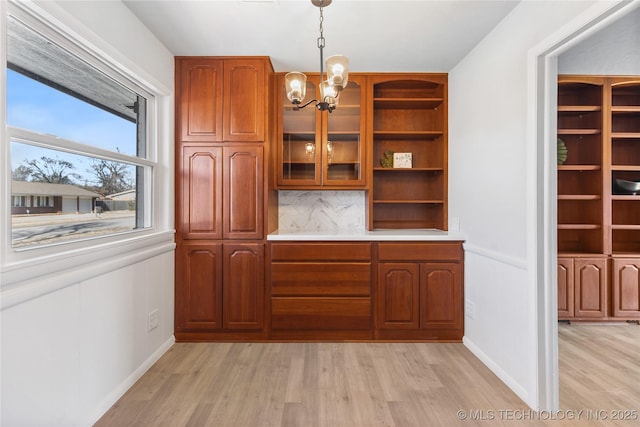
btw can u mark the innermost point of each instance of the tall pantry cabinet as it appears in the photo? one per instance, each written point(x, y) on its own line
point(222, 183)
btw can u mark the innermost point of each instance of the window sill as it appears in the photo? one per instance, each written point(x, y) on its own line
point(26, 280)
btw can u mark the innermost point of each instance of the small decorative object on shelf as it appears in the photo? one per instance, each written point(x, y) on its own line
point(387, 160)
point(402, 160)
point(562, 152)
point(623, 186)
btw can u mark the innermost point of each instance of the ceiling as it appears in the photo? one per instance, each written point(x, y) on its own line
point(376, 35)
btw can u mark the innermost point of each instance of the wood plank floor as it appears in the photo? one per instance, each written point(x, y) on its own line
point(372, 384)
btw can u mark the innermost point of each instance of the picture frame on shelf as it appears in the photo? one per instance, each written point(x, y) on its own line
point(403, 160)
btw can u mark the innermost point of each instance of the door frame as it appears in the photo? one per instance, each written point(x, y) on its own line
point(542, 70)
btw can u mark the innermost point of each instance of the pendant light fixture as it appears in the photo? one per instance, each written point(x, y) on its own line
point(337, 76)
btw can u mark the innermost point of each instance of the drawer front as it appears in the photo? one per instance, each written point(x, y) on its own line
point(321, 313)
point(321, 252)
point(322, 279)
point(405, 251)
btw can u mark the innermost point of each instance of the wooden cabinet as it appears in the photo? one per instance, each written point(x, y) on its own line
point(565, 288)
point(420, 291)
point(221, 192)
point(399, 295)
point(221, 286)
point(318, 148)
point(221, 99)
point(243, 194)
point(198, 289)
point(598, 219)
point(626, 288)
point(583, 288)
point(243, 286)
point(222, 181)
point(199, 192)
point(590, 287)
point(321, 290)
point(339, 290)
point(408, 115)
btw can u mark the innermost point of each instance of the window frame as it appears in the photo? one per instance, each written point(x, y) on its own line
point(36, 270)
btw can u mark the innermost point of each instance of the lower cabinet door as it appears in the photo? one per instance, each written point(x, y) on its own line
point(243, 289)
point(441, 298)
point(565, 288)
point(590, 281)
point(626, 287)
point(398, 295)
point(199, 286)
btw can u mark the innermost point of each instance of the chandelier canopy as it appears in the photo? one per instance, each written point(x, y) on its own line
point(336, 81)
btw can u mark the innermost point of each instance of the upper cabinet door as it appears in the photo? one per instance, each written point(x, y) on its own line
point(245, 92)
point(243, 191)
point(199, 83)
point(200, 192)
point(318, 148)
point(343, 151)
point(299, 156)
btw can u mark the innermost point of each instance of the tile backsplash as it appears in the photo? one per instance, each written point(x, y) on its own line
point(321, 210)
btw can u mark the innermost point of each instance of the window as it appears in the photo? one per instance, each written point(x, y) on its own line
point(77, 132)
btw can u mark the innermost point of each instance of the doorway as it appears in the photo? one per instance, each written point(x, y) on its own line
point(543, 72)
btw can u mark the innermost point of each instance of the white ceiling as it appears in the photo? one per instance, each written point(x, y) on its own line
point(376, 35)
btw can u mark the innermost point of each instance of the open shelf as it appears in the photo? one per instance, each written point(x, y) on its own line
point(409, 115)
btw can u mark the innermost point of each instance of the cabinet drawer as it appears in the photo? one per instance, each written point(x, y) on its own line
point(308, 278)
point(401, 251)
point(321, 313)
point(321, 252)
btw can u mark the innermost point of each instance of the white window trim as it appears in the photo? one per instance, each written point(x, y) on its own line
point(29, 273)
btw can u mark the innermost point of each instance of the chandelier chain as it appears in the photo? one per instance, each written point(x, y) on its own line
point(321, 38)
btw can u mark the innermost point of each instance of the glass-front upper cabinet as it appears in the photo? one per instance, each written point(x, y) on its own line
point(318, 148)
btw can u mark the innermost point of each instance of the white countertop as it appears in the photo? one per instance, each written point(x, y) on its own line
point(366, 235)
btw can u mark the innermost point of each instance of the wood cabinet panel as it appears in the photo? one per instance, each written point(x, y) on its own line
point(319, 251)
point(316, 279)
point(243, 286)
point(199, 287)
point(243, 193)
point(441, 296)
point(590, 287)
point(626, 287)
point(404, 251)
point(565, 288)
point(398, 296)
point(200, 194)
point(315, 313)
point(199, 98)
point(245, 93)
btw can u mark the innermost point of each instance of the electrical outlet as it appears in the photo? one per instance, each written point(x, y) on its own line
point(153, 320)
point(469, 309)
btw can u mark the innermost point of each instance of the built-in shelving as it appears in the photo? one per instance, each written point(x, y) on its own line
point(409, 115)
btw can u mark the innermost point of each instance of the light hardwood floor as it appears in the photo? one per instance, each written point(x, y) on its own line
point(375, 384)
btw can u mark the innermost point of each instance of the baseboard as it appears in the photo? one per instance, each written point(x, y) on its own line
point(119, 391)
point(500, 373)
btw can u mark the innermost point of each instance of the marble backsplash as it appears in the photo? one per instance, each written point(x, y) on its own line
point(321, 210)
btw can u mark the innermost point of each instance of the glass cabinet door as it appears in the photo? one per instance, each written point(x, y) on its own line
point(300, 153)
point(319, 148)
point(343, 147)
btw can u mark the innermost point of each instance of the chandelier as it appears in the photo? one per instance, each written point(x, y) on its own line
point(337, 76)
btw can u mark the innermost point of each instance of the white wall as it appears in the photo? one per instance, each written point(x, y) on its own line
point(614, 50)
point(72, 342)
point(489, 102)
